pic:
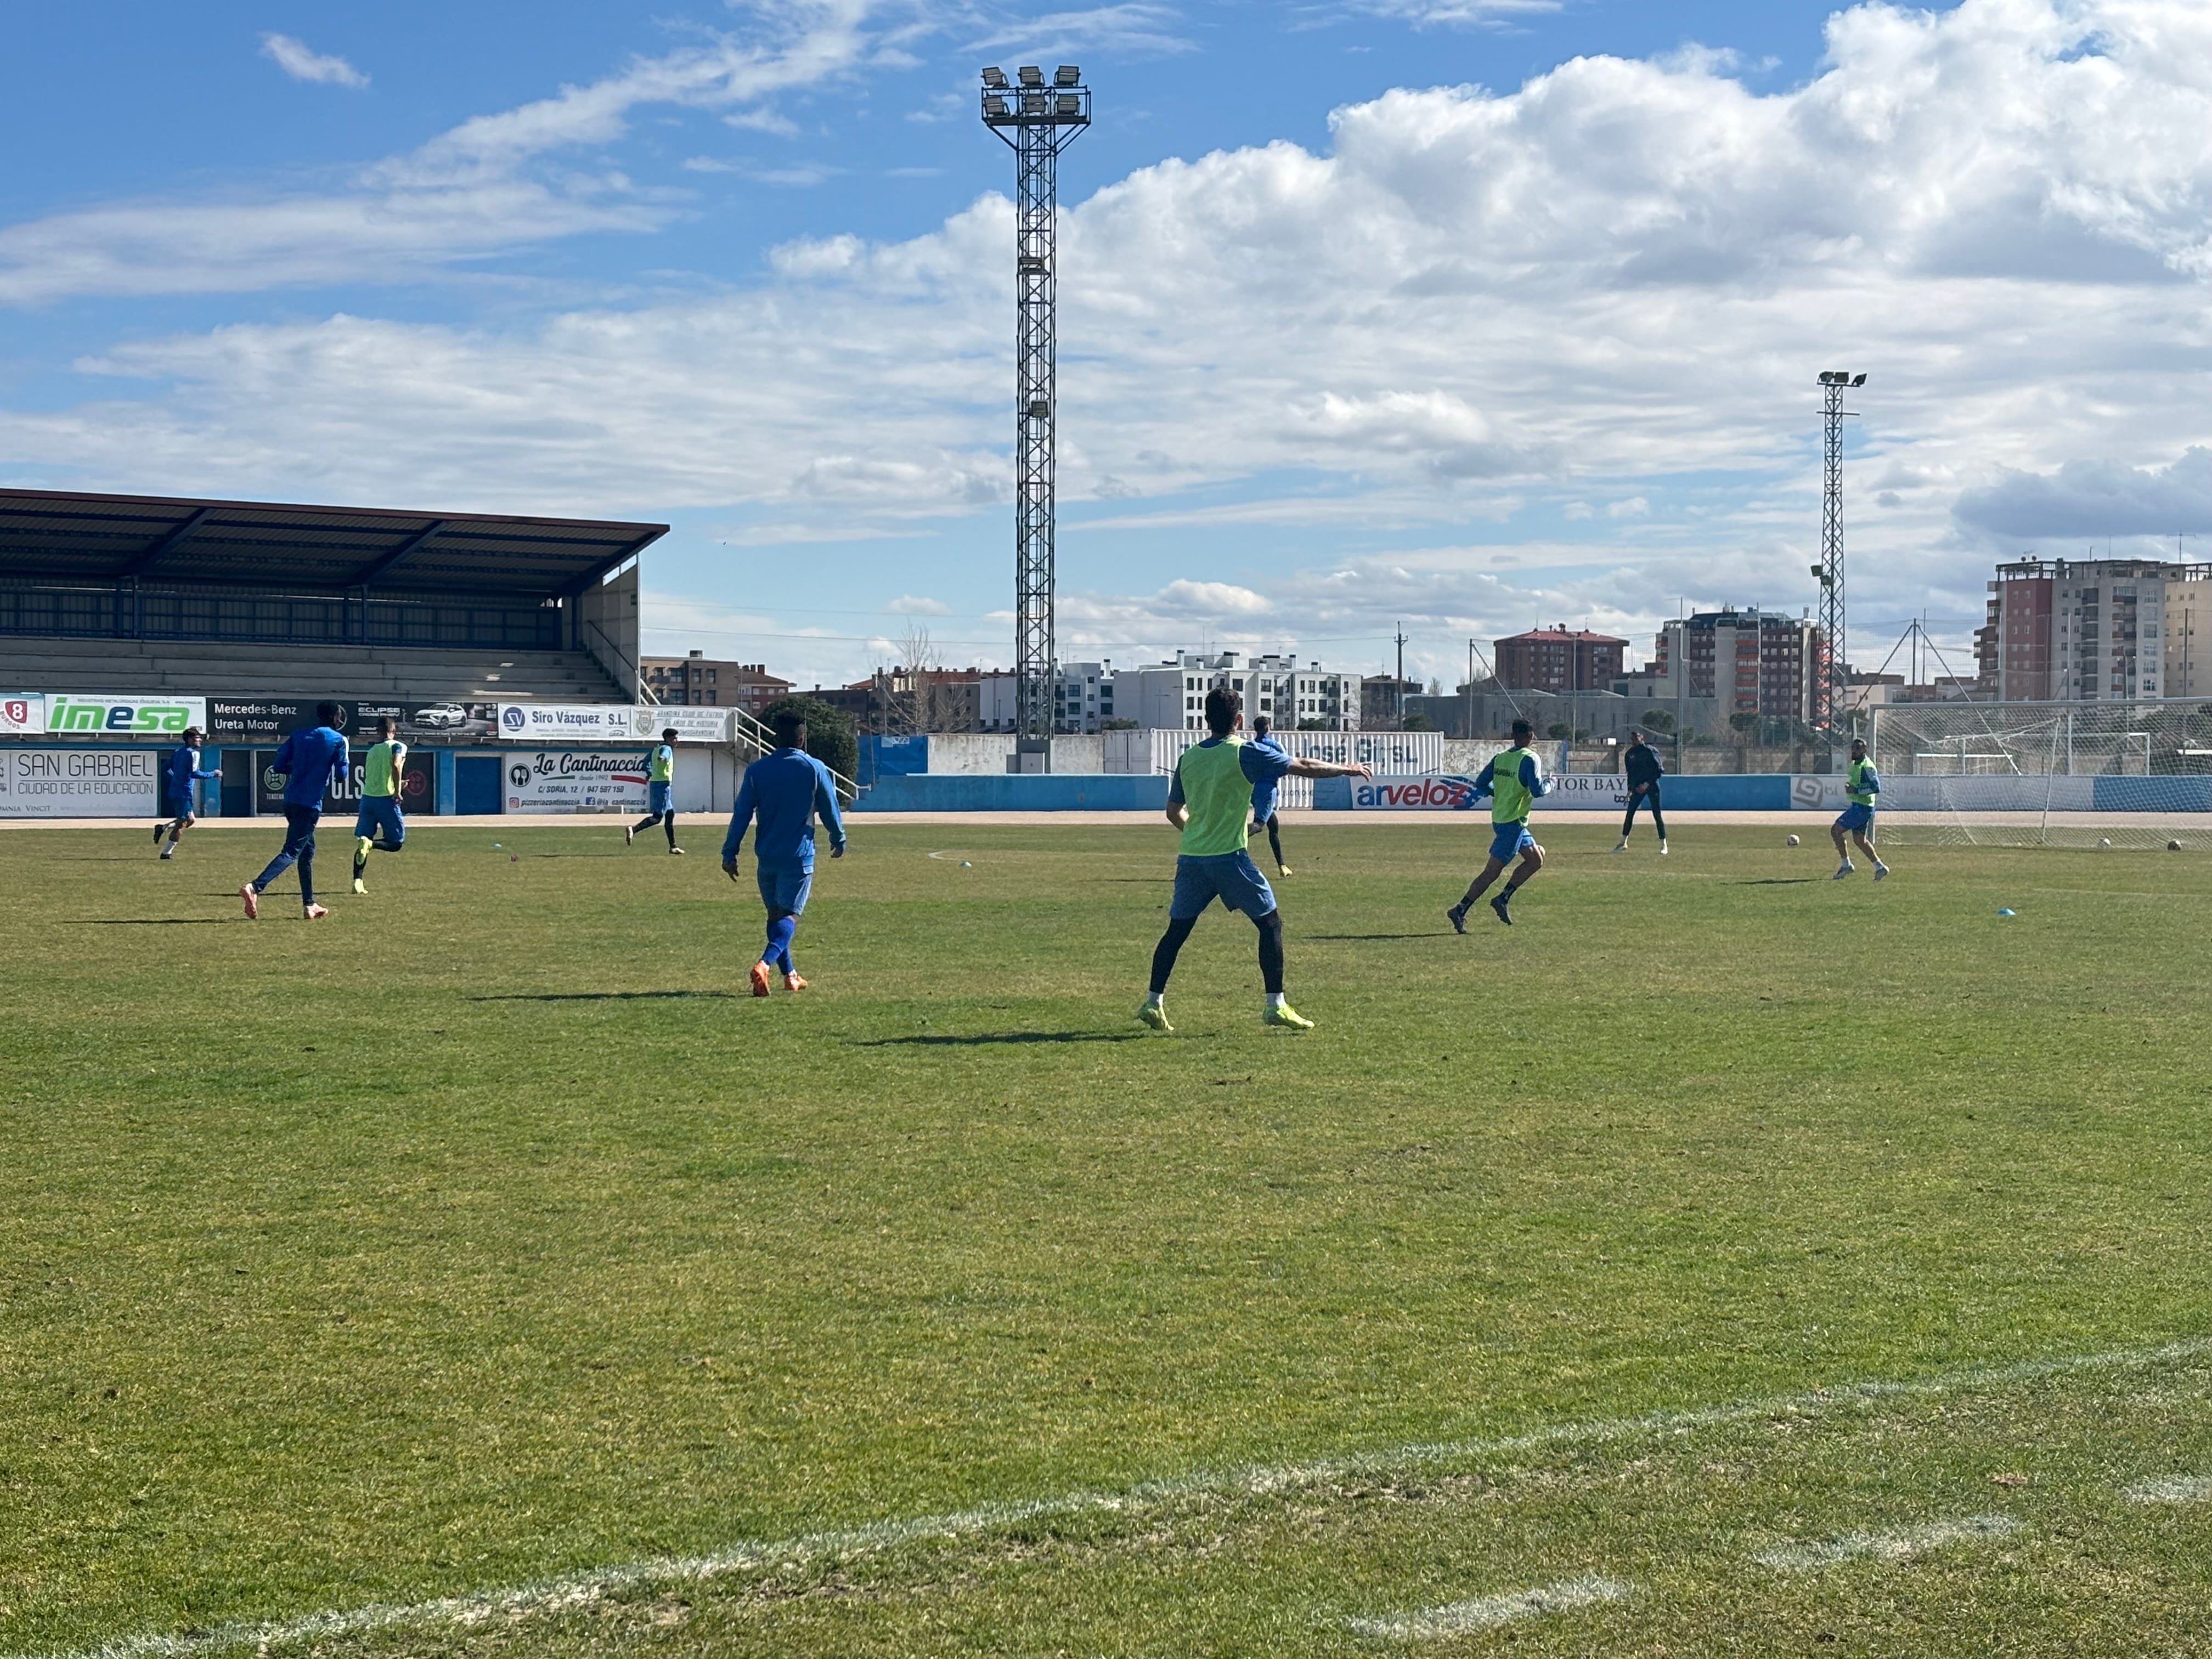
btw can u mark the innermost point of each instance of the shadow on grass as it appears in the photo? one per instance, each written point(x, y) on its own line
point(1776, 881)
point(157, 921)
point(932, 1041)
point(1441, 933)
point(597, 996)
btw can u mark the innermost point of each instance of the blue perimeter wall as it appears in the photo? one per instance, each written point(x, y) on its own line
point(1731, 794)
point(1117, 792)
point(989, 791)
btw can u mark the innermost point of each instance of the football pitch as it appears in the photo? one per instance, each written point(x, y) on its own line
point(1721, 1259)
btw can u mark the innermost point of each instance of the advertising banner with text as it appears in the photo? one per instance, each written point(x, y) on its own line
point(648, 721)
point(113, 714)
point(272, 719)
point(418, 786)
point(22, 713)
point(575, 780)
point(119, 782)
point(566, 722)
point(1601, 792)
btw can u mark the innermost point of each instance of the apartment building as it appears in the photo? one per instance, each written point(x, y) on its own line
point(2097, 631)
point(1561, 660)
point(1761, 662)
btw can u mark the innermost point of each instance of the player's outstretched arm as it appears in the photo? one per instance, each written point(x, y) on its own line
point(1303, 768)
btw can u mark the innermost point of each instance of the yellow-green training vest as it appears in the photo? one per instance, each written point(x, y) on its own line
point(664, 764)
point(1854, 782)
point(1218, 797)
point(1510, 799)
point(379, 772)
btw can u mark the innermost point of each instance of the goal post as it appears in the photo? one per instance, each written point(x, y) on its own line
point(2045, 773)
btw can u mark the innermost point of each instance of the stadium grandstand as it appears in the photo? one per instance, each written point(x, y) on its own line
point(107, 593)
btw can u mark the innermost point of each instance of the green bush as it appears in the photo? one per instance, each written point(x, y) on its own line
point(829, 737)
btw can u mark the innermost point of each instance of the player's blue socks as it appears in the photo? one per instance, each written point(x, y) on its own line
point(780, 932)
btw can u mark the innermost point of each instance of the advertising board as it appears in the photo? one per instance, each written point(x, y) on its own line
point(574, 781)
point(567, 723)
point(418, 784)
point(1587, 792)
point(270, 720)
point(117, 715)
point(118, 782)
point(22, 713)
point(648, 721)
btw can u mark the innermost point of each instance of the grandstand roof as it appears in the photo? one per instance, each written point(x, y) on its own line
point(62, 535)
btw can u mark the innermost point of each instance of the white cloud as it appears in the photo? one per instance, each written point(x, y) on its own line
point(297, 60)
point(1634, 507)
point(1613, 285)
point(1129, 29)
point(465, 194)
point(908, 605)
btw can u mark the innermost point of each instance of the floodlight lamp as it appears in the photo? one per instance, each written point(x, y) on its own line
point(995, 107)
point(1031, 76)
point(1831, 377)
point(1067, 75)
point(1069, 104)
point(995, 76)
point(1858, 379)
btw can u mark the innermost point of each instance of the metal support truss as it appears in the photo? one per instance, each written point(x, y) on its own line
point(1038, 121)
point(1831, 692)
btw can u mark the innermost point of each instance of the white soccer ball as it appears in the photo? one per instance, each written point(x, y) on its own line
point(2103, 841)
point(2174, 847)
point(1790, 840)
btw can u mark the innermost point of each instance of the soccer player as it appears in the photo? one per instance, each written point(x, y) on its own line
point(1514, 782)
point(383, 772)
point(1640, 763)
point(785, 790)
point(309, 760)
point(1263, 795)
point(659, 792)
point(1211, 803)
point(184, 771)
point(1862, 786)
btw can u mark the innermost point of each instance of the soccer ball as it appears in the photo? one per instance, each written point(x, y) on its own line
point(2103, 841)
point(2174, 847)
point(1790, 840)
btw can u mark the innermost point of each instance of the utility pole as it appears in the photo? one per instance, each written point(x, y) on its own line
point(1399, 690)
point(1470, 688)
point(1037, 122)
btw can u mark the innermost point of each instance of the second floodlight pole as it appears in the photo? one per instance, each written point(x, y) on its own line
point(1038, 122)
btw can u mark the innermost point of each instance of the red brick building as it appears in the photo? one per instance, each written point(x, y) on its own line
point(1559, 659)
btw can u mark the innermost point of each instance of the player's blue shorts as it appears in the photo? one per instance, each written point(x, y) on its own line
point(1856, 818)
point(784, 886)
point(660, 798)
point(1508, 842)
point(1232, 878)
point(381, 812)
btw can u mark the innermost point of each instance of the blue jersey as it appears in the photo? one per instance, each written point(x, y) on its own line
point(311, 759)
point(785, 792)
point(184, 770)
point(1263, 788)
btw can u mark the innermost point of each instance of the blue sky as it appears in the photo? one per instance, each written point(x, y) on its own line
point(1469, 314)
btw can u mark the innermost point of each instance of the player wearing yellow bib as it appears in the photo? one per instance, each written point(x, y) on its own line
point(1513, 780)
point(659, 792)
point(380, 826)
point(1211, 803)
point(1862, 784)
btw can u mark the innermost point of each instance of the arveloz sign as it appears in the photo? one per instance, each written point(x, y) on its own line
point(116, 715)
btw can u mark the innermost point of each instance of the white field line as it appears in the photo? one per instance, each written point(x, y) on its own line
point(2170, 1489)
point(1488, 1612)
point(1901, 1544)
point(580, 1588)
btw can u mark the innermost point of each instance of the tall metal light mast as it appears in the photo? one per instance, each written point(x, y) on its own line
point(1038, 122)
point(1831, 696)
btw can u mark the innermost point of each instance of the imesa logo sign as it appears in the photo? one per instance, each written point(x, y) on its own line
point(68, 713)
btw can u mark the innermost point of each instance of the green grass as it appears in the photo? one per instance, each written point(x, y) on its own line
point(487, 1232)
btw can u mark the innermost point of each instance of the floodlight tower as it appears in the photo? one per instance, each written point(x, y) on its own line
point(1038, 122)
point(1831, 695)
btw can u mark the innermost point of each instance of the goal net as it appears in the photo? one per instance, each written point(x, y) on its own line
point(2045, 774)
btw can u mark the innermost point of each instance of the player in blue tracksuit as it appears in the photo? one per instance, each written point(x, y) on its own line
point(1263, 792)
point(184, 770)
point(311, 759)
point(783, 793)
